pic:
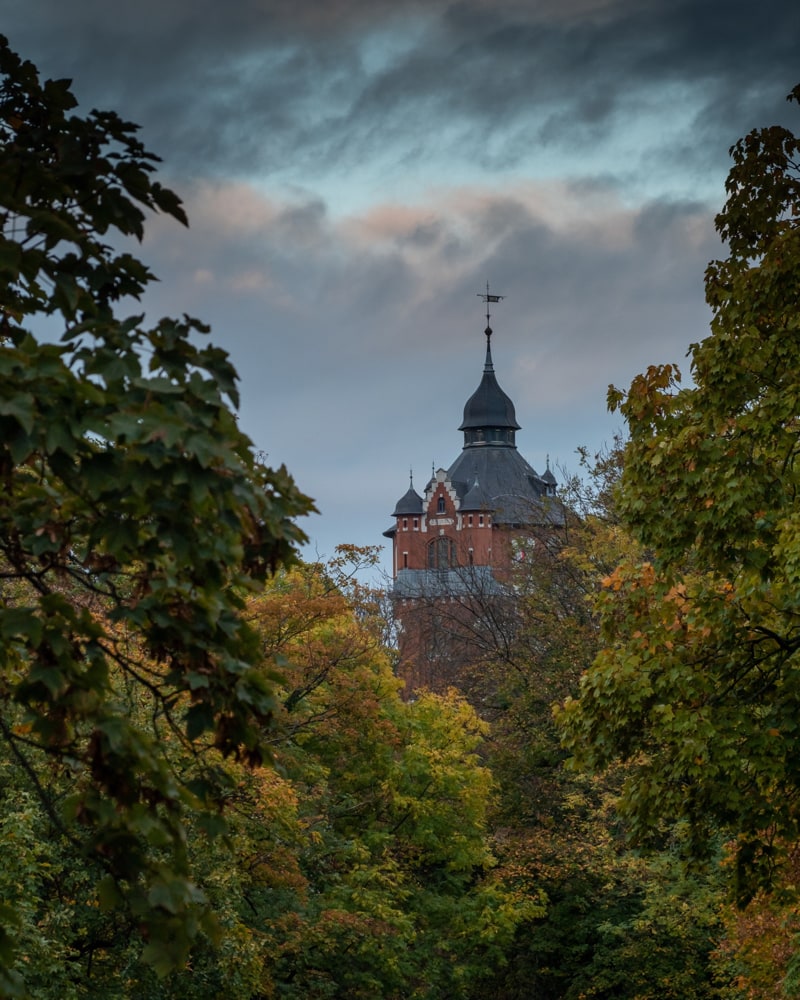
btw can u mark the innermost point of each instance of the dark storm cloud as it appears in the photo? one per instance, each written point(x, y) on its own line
point(274, 85)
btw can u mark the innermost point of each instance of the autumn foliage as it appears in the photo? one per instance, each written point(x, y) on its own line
point(696, 687)
point(210, 784)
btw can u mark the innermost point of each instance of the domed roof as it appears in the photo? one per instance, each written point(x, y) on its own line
point(409, 503)
point(489, 407)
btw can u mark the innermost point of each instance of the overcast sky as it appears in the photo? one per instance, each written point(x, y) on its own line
point(355, 171)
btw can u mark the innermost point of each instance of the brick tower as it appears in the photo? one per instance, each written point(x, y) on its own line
point(454, 545)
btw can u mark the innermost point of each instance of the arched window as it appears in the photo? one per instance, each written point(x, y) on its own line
point(440, 505)
point(441, 553)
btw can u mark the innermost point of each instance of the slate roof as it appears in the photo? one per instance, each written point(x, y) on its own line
point(475, 498)
point(409, 503)
point(471, 580)
point(510, 488)
point(489, 406)
point(490, 474)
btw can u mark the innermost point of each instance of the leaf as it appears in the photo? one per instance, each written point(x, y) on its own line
point(21, 623)
point(22, 408)
point(135, 515)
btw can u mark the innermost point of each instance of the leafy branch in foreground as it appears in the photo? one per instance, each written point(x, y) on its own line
point(697, 685)
point(134, 518)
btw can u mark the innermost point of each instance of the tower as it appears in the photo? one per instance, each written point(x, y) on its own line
point(453, 547)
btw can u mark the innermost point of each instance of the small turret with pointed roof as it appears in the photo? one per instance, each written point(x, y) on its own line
point(549, 478)
point(410, 502)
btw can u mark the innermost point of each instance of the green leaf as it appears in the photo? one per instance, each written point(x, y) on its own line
point(22, 408)
point(21, 623)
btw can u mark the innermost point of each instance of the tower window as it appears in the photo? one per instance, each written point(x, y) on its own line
point(405, 560)
point(469, 520)
point(440, 505)
point(416, 524)
point(441, 553)
point(405, 524)
point(471, 557)
point(480, 520)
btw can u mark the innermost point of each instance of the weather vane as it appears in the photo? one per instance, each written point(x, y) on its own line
point(487, 298)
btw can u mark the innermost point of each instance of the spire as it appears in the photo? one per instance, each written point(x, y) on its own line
point(549, 478)
point(489, 416)
point(487, 365)
point(488, 298)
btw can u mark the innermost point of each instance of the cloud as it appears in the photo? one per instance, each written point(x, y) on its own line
point(317, 89)
point(356, 170)
point(356, 324)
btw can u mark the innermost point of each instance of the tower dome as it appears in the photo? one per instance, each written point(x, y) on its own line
point(489, 416)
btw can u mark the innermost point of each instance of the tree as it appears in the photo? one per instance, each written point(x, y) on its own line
point(135, 517)
point(759, 944)
point(358, 864)
point(697, 686)
point(402, 898)
point(617, 922)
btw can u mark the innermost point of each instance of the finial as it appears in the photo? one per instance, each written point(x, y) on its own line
point(411, 477)
point(547, 461)
point(487, 298)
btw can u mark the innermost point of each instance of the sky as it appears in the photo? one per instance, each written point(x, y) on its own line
point(356, 171)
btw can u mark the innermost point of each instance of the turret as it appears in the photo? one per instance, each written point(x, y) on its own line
point(489, 417)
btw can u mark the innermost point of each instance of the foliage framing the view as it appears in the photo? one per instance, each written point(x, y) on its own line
point(698, 683)
point(360, 865)
point(134, 514)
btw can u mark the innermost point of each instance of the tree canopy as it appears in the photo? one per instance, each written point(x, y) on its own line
point(357, 864)
point(209, 783)
point(135, 516)
point(697, 684)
